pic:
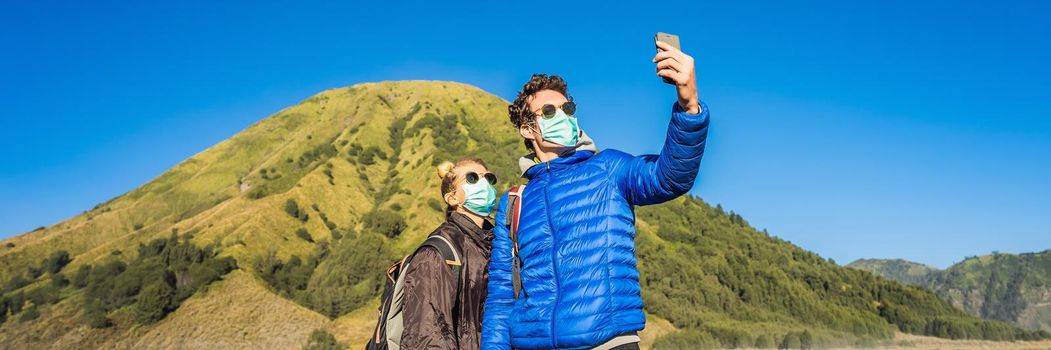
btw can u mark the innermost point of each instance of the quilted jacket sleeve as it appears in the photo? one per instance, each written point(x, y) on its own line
point(652, 179)
point(499, 302)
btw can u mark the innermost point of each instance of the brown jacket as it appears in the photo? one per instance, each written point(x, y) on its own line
point(436, 315)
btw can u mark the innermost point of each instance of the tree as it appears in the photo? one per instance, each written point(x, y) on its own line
point(763, 342)
point(59, 280)
point(16, 282)
point(31, 314)
point(686, 340)
point(790, 341)
point(34, 272)
point(303, 234)
point(806, 340)
point(45, 294)
point(292, 208)
point(155, 301)
point(80, 279)
point(95, 315)
point(56, 261)
point(384, 221)
point(322, 340)
point(3, 310)
point(16, 301)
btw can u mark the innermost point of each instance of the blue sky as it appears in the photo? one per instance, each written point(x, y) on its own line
point(906, 129)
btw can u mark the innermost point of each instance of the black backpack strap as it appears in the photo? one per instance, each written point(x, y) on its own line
point(449, 253)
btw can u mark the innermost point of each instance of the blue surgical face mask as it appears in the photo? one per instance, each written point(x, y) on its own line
point(560, 128)
point(479, 197)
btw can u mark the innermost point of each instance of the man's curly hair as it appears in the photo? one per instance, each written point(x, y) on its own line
point(519, 111)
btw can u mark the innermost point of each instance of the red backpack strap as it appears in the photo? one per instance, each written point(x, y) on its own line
point(514, 216)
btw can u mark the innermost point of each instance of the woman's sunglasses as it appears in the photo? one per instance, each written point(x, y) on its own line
point(549, 110)
point(472, 177)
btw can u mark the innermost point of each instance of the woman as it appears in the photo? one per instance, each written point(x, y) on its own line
point(437, 315)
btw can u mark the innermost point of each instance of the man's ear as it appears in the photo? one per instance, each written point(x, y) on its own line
point(526, 132)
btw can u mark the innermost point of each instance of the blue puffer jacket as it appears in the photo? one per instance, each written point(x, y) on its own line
point(577, 242)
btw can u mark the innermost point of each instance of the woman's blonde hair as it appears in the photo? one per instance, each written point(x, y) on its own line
point(448, 176)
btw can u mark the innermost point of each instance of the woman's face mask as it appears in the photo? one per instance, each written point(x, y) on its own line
point(479, 197)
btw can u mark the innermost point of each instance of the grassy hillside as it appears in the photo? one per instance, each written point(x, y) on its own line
point(308, 206)
point(1009, 287)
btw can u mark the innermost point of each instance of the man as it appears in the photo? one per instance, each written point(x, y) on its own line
point(580, 283)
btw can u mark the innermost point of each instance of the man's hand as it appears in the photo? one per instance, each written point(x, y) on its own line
point(678, 67)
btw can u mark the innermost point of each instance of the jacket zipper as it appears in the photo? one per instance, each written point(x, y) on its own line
point(554, 259)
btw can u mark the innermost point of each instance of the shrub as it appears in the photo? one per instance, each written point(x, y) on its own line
point(764, 341)
point(790, 341)
point(367, 156)
point(202, 274)
point(288, 278)
point(34, 272)
point(321, 151)
point(95, 315)
point(346, 279)
point(435, 204)
point(59, 280)
point(731, 338)
point(686, 340)
point(806, 340)
point(30, 314)
point(16, 301)
point(384, 221)
point(16, 282)
point(43, 295)
point(141, 283)
point(3, 310)
point(155, 301)
point(56, 261)
point(323, 340)
point(80, 279)
point(303, 234)
point(292, 208)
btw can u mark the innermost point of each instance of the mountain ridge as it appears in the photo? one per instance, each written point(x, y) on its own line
point(1008, 287)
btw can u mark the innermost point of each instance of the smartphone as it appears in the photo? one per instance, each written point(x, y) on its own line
point(670, 39)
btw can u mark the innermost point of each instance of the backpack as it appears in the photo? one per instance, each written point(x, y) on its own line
point(514, 198)
point(390, 325)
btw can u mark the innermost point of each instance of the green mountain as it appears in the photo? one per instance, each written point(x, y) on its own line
point(896, 269)
point(279, 235)
point(1014, 288)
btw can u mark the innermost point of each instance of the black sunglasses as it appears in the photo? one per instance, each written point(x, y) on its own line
point(549, 110)
point(472, 177)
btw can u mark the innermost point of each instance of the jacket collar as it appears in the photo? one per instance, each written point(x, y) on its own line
point(584, 149)
point(480, 235)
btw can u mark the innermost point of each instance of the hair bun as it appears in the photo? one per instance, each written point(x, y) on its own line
point(444, 168)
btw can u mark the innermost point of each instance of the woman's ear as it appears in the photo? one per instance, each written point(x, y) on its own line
point(450, 199)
